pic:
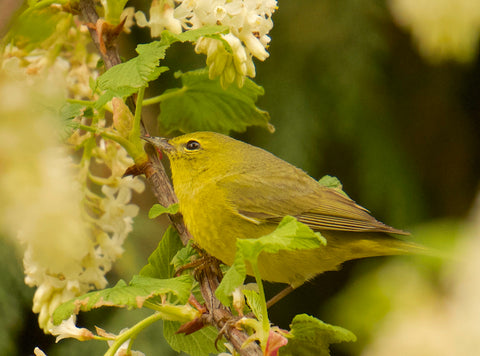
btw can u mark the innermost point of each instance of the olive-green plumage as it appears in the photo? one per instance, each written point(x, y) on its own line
point(230, 190)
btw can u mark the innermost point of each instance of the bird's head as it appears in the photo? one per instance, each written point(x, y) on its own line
point(200, 152)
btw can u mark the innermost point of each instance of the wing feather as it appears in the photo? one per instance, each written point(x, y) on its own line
point(293, 192)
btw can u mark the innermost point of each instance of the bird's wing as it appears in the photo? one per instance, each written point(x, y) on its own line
point(268, 199)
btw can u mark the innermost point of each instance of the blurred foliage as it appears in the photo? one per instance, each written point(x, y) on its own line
point(401, 282)
point(15, 298)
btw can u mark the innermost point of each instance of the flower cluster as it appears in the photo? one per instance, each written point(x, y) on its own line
point(231, 59)
point(73, 63)
point(40, 204)
point(443, 29)
point(161, 17)
point(425, 319)
point(71, 218)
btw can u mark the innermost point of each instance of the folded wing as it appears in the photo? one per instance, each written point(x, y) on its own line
point(292, 192)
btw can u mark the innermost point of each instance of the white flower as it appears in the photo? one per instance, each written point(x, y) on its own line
point(238, 300)
point(443, 29)
point(117, 218)
point(230, 67)
point(74, 63)
point(68, 329)
point(442, 321)
point(161, 18)
point(40, 205)
point(128, 14)
point(248, 21)
point(70, 235)
point(78, 80)
point(39, 352)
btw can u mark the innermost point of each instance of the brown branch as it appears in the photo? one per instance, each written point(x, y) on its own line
point(110, 55)
point(7, 13)
point(163, 190)
point(154, 171)
point(210, 278)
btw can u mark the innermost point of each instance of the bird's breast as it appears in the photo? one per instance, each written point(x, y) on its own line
point(214, 221)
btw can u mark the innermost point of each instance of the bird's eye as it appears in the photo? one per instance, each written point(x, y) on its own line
point(192, 145)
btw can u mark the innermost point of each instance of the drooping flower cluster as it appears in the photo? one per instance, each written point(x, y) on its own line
point(248, 21)
point(73, 63)
point(424, 320)
point(161, 17)
point(443, 29)
point(70, 219)
point(40, 205)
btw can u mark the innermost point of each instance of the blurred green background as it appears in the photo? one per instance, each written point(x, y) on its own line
point(350, 96)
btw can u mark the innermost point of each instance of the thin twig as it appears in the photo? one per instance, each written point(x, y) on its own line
point(163, 191)
point(90, 16)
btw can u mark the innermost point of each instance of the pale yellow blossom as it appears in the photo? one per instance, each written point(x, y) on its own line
point(38, 352)
point(161, 18)
point(67, 329)
point(248, 22)
point(426, 322)
point(70, 235)
point(442, 29)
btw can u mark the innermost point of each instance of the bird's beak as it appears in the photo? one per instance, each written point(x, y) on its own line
point(160, 143)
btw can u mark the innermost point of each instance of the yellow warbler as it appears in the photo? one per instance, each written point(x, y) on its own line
point(230, 190)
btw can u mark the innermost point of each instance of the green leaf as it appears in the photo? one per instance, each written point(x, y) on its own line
point(290, 234)
point(126, 296)
point(179, 286)
point(200, 343)
point(35, 26)
point(184, 256)
point(138, 71)
point(193, 35)
point(113, 11)
point(157, 210)
point(127, 78)
point(231, 280)
point(159, 263)
point(310, 336)
point(332, 182)
point(202, 104)
point(71, 110)
point(254, 302)
point(67, 113)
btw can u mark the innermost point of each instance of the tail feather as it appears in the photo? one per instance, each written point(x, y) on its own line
point(369, 244)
